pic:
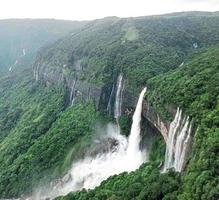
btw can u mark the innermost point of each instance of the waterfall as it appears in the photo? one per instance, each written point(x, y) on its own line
point(118, 99)
point(91, 171)
point(181, 146)
point(134, 138)
point(174, 126)
point(17, 60)
point(72, 95)
point(109, 107)
point(177, 142)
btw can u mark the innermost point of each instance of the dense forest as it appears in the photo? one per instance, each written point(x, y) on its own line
point(42, 131)
point(198, 94)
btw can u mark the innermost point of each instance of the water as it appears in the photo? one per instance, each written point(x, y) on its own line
point(133, 150)
point(109, 109)
point(181, 146)
point(118, 99)
point(72, 95)
point(177, 143)
point(18, 60)
point(91, 171)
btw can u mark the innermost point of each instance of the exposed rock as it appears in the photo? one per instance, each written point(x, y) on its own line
point(103, 96)
point(150, 114)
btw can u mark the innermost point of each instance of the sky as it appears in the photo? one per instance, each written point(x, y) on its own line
point(94, 9)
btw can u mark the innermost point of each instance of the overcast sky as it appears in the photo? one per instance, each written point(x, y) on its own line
point(93, 9)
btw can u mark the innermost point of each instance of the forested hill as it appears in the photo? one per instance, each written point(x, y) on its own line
point(52, 115)
point(140, 48)
point(20, 39)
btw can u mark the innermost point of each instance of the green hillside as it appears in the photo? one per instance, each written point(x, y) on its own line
point(140, 48)
point(196, 89)
point(41, 134)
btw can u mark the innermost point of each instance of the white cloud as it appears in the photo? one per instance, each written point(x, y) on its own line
point(91, 9)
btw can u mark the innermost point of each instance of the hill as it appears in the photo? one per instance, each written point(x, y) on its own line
point(20, 39)
point(52, 115)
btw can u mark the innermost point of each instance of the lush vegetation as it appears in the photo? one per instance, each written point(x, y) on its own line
point(37, 137)
point(196, 88)
point(40, 135)
point(140, 48)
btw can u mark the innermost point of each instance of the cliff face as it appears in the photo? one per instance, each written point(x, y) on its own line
point(77, 89)
point(103, 96)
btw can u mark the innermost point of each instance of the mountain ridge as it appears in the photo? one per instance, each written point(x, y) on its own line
point(42, 132)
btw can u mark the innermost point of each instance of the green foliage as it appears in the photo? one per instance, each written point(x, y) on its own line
point(196, 89)
point(157, 149)
point(31, 110)
point(38, 139)
point(140, 48)
point(195, 86)
point(125, 125)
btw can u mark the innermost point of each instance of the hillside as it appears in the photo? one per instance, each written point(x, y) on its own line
point(140, 48)
point(58, 112)
point(20, 39)
point(200, 180)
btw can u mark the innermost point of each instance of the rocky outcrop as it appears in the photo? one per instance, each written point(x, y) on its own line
point(161, 125)
point(77, 89)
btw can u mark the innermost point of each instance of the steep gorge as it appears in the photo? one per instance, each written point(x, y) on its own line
point(101, 64)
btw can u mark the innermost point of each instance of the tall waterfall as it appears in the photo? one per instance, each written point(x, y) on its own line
point(91, 171)
point(134, 138)
point(179, 136)
point(118, 99)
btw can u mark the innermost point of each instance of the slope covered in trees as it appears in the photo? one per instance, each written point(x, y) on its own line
point(140, 48)
point(196, 89)
point(40, 134)
point(37, 133)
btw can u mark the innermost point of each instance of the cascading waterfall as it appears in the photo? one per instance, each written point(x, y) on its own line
point(72, 95)
point(109, 107)
point(118, 99)
point(91, 171)
point(170, 148)
point(182, 145)
point(177, 143)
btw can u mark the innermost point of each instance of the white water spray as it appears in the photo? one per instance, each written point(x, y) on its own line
point(91, 171)
point(177, 143)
